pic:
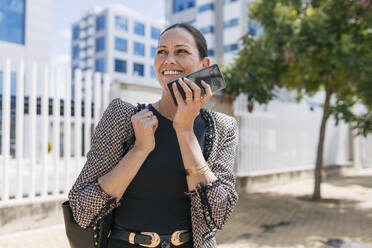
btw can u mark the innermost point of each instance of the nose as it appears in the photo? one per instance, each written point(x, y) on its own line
point(170, 59)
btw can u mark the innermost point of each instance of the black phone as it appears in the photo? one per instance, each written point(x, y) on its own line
point(211, 75)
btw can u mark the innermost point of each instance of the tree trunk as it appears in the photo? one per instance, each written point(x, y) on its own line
point(319, 155)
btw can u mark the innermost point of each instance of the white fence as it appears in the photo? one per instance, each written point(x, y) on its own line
point(284, 137)
point(34, 174)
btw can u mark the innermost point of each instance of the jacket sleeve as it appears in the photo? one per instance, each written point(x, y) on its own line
point(88, 201)
point(212, 203)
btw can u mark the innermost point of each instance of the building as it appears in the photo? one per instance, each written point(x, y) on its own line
point(223, 23)
point(117, 41)
point(25, 33)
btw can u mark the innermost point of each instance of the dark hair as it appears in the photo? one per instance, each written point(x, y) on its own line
point(198, 37)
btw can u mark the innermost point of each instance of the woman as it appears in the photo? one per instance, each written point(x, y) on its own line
point(176, 181)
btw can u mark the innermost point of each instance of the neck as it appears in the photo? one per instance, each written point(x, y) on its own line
point(166, 107)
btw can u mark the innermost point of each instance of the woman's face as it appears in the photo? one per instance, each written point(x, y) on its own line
point(177, 55)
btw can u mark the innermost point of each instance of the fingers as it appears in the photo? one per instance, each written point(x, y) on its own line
point(208, 92)
point(177, 95)
point(186, 89)
point(144, 115)
point(195, 88)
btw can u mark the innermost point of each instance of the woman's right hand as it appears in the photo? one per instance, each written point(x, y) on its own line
point(144, 124)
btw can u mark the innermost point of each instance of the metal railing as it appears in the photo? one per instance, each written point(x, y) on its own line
point(34, 174)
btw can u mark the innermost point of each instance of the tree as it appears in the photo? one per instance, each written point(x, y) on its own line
point(307, 47)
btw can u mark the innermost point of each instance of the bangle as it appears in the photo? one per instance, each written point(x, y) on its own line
point(196, 171)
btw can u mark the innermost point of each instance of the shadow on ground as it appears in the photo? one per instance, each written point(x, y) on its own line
point(363, 181)
point(283, 220)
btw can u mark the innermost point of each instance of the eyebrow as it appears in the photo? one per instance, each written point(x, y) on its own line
point(180, 45)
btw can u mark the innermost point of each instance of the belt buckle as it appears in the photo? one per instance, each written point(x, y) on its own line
point(155, 239)
point(175, 239)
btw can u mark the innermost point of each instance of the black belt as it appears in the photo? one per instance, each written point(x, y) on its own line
point(152, 239)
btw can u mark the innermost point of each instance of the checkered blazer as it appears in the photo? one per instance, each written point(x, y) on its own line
point(211, 204)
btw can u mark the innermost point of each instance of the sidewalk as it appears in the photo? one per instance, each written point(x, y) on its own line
point(275, 216)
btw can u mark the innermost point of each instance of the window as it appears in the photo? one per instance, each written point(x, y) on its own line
point(231, 23)
point(139, 28)
point(12, 21)
point(152, 72)
point(181, 5)
point(120, 66)
point(76, 32)
point(153, 51)
point(192, 23)
point(210, 52)
point(100, 65)
point(138, 69)
point(230, 48)
point(155, 33)
point(121, 23)
point(100, 44)
point(229, 1)
point(100, 23)
point(207, 30)
point(206, 7)
point(139, 49)
point(75, 52)
point(13, 83)
point(120, 44)
point(254, 29)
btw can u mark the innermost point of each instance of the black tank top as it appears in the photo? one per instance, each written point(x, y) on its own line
point(155, 200)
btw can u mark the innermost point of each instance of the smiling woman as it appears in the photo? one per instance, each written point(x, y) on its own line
point(175, 186)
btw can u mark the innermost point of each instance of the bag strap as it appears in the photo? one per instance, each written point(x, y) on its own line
point(139, 107)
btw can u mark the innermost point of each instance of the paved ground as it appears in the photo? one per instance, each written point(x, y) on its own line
point(276, 216)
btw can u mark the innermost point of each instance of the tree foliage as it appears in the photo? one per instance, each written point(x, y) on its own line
point(307, 47)
point(310, 46)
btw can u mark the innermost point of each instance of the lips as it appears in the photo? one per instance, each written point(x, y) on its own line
point(169, 75)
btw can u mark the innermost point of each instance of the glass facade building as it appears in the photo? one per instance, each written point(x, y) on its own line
point(231, 23)
point(120, 65)
point(117, 41)
point(139, 28)
point(138, 48)
point(153, 51)
point(100, 65)
point(181, 5)
point(138, 69)
point(207, 30)
point(120, 44)
point(155, 33)
point(12, 21)
point(121, 23)
point(100, 44)
point(206, 7)
point(100, 23)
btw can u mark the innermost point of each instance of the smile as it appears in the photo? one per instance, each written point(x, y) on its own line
point(172, 72)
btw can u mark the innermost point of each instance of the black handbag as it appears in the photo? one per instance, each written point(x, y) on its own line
point(91, 237)
point(95, 236)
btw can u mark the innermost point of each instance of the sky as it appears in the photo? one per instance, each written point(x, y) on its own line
point(65, 12)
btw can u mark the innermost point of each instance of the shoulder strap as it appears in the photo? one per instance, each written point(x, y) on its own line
point(139, 107)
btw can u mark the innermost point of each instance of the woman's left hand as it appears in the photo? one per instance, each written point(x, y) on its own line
point(188, 109)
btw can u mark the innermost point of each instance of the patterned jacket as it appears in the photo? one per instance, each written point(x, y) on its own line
point(211, 204)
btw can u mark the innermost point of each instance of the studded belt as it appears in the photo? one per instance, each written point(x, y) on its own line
point(152, 239)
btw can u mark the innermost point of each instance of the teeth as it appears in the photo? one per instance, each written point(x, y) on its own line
point(171, 72)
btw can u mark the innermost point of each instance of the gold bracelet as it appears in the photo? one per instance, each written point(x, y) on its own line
point(196, 171)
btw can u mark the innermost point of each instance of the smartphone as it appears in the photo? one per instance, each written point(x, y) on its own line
point(211, 75)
